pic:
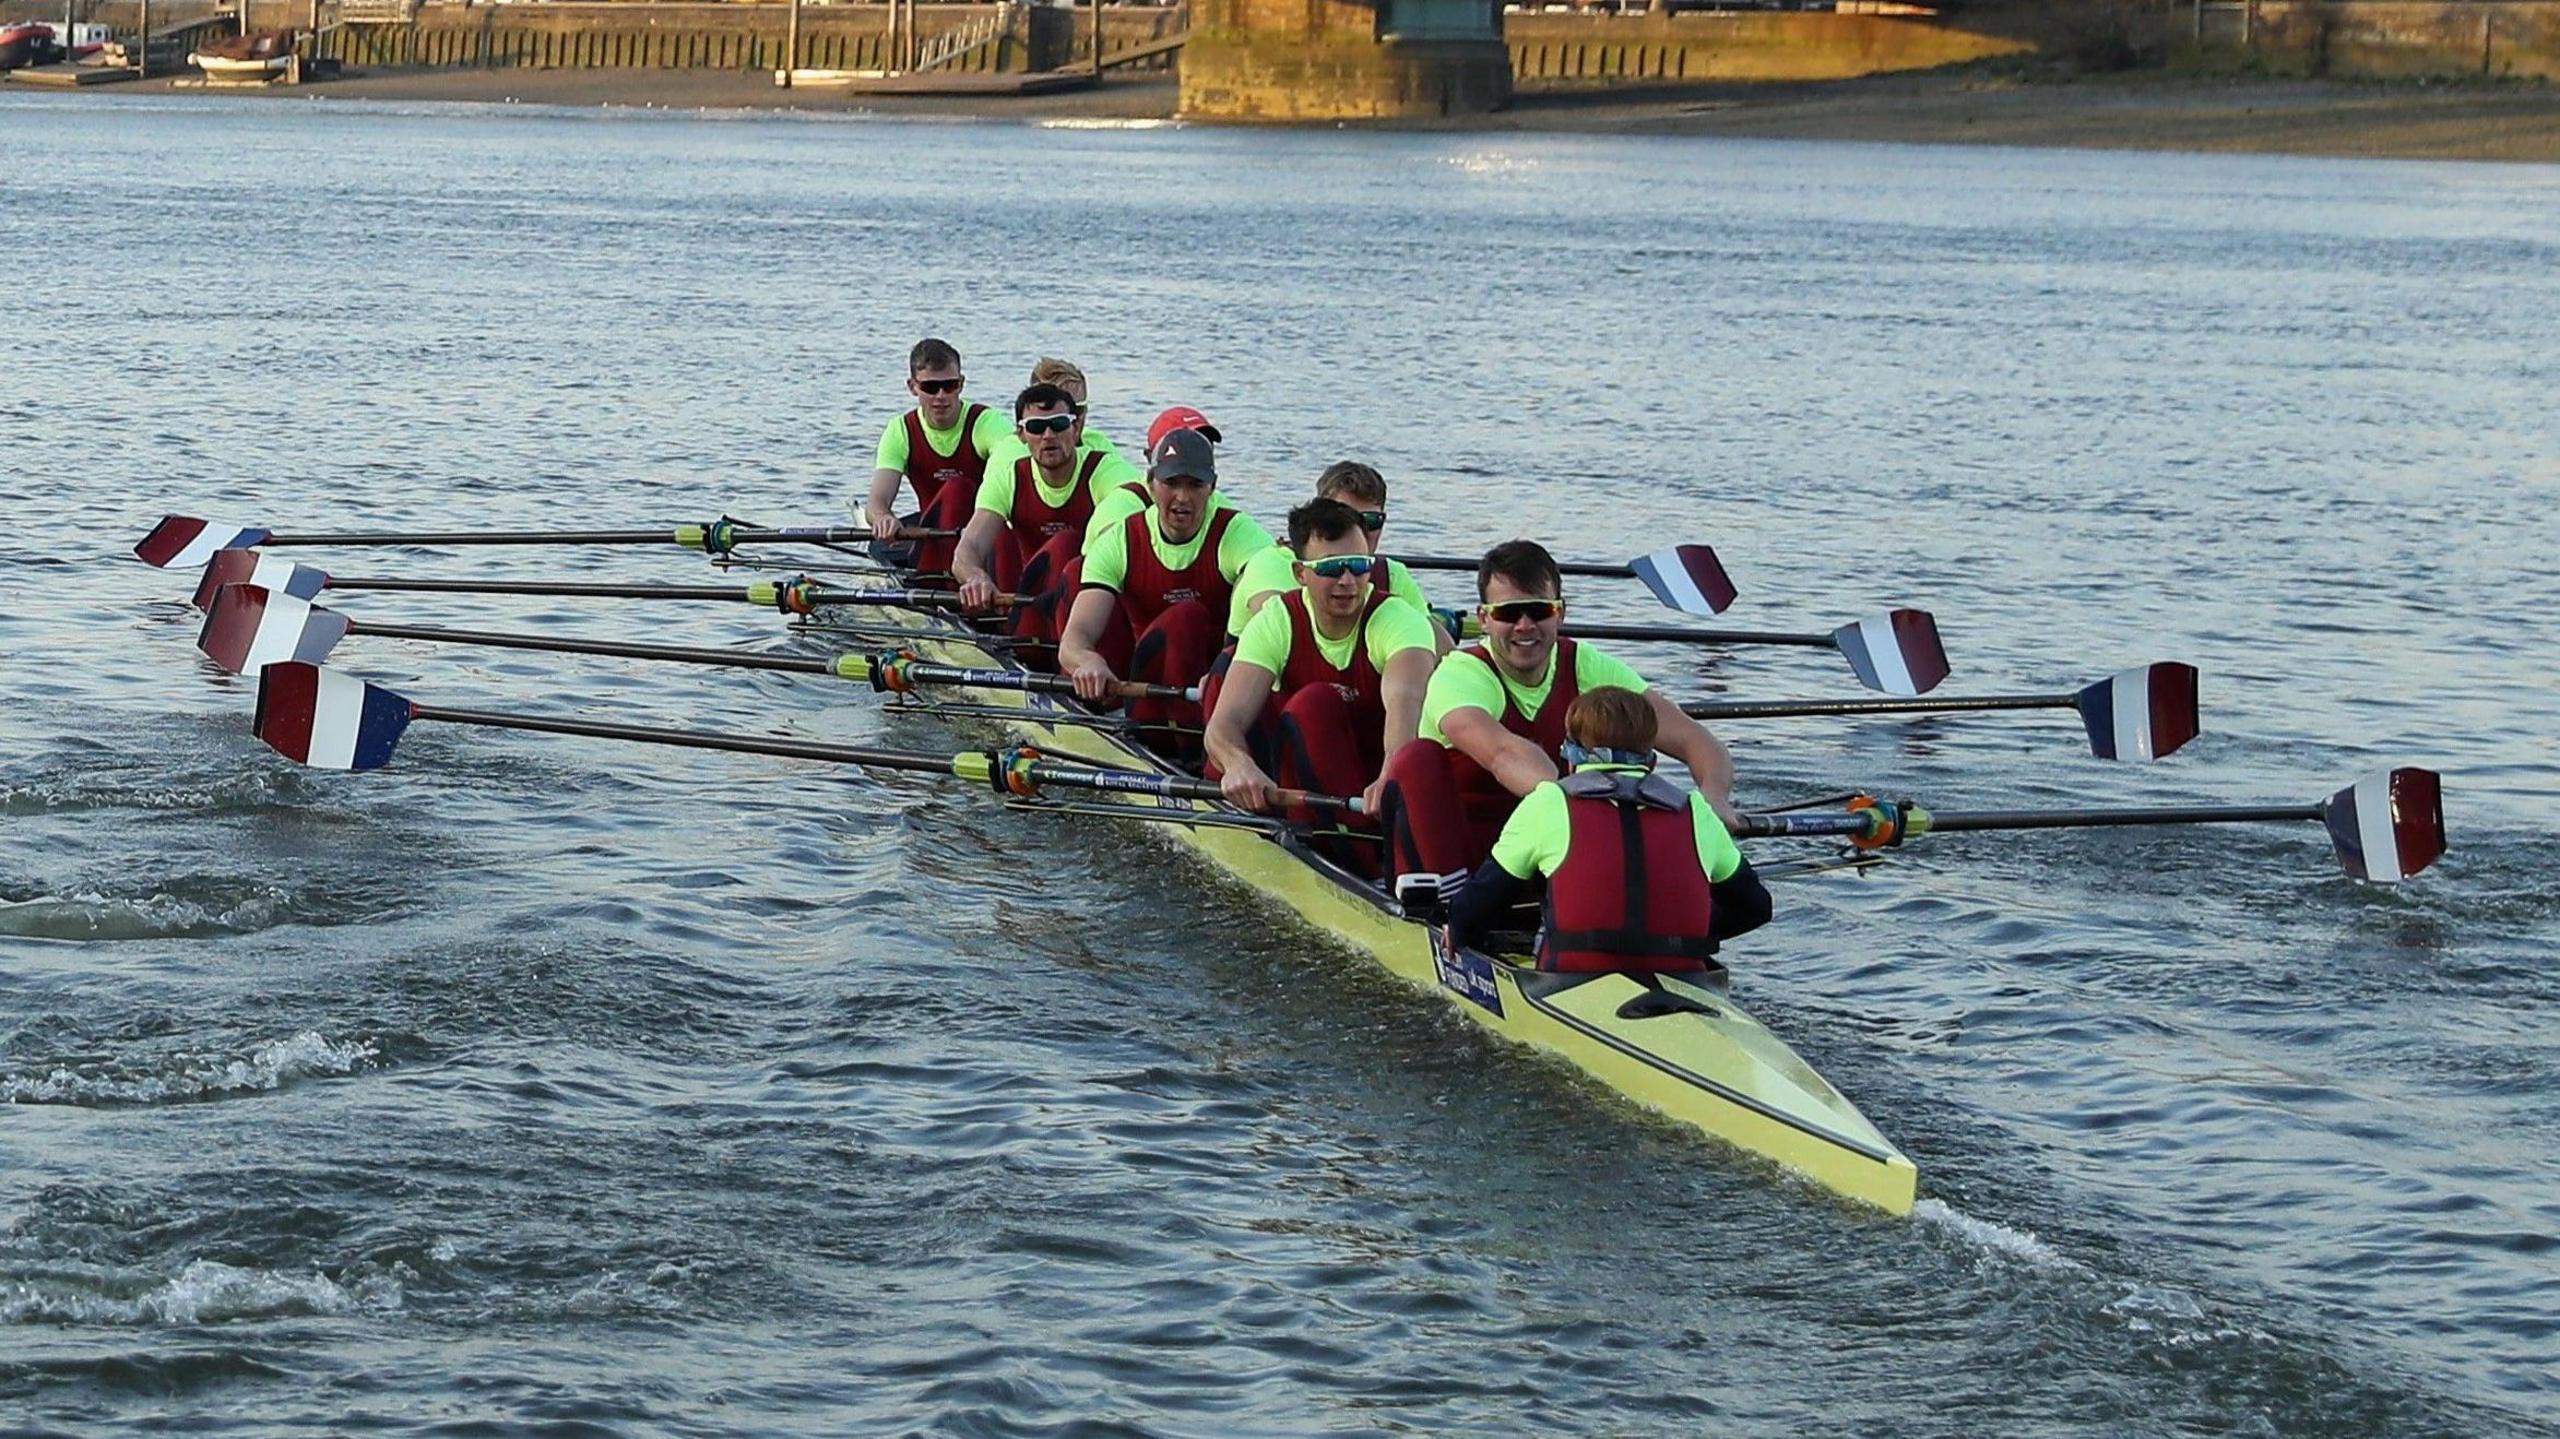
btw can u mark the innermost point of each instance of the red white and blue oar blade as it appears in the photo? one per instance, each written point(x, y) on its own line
point(250, 627)
point(183, 541)
point(252, 567)
point(2141, 714)
point(2389, 826)
point(1896, 652)
point(328, 720)
point(1688, 578)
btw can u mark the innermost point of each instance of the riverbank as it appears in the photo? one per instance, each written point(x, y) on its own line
point(2385, 120)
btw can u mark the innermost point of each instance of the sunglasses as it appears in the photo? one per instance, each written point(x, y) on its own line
point(1513, 612)
point(939, 387)
point(1334, 567)
point(1047, 424)
point(1373, 520)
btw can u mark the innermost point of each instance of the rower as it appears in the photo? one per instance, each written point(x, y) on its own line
point(1494, 716)
point(1640, 874)
point(1348, 661)
point(1051, 577)
point(1153, 592)
point(1272, 572)
point(1068, 377)
point(939, 448)
point(1037, 504)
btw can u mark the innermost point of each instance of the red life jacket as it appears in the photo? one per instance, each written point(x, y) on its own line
point(1363, 688)
point(929, 472)
point(1149, 589)
point(1486, 801)
point(1631, 893)
point(1035, 520)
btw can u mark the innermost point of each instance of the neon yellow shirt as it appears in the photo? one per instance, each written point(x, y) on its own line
point(1012, 447)
point(1465, 682)
point(1535, 839)
point(990, 431)
point(1274, 570)
point(1119, 505)
point(1395, 628)
point(996, 491)
point(1106, 555)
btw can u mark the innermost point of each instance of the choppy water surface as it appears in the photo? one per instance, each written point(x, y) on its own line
point(543, 1086)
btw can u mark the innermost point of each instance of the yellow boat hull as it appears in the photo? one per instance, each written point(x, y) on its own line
point(1681, 1048)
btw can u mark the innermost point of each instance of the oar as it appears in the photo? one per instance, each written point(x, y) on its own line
point(184, 540)
point(250, 627)
point(2385, 827)
point(1896, 652)
point(1688, 578)
point(2144, 713)
point(328, 720)
point(793, 596)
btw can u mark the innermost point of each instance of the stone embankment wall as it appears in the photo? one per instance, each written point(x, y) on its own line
point(1563, 51)
point(2496, 39)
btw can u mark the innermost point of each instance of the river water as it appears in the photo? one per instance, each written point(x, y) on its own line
point(540, 1086)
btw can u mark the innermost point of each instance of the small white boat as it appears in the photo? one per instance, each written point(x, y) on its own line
point(258, 56)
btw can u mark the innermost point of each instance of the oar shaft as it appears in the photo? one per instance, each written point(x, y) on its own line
point(1682, 634)
point(551, 644)
point(1780, 709)
point(2110, 818)
point(694, 739)
point(548, 587)
point(663, 536)
point(1461, 562)
point(934, 674)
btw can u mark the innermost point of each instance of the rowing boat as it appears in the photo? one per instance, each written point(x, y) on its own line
point(1678, 1045)
point(1684, 1049)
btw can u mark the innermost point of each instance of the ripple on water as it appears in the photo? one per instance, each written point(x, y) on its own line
point(184, 1076)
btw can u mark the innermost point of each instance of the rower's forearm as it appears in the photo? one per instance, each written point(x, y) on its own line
point(1522, 768)
point(883, 497)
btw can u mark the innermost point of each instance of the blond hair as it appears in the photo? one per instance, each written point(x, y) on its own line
point(1056, 372)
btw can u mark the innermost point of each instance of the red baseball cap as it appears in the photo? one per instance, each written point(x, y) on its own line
point(1181, 417)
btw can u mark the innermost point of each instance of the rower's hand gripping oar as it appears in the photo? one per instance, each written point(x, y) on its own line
point(2385, 827)
point(249, 627)
point(1896, 652)
point(2145, 713)
point(328, 720)
point(185, 541)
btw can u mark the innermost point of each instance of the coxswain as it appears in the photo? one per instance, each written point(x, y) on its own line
point(1273, 572)
point(1493, 720)
point(1151, 598)
point(1640, 873)
point(1347, 661)
point(939, 448)
point(1038, 503)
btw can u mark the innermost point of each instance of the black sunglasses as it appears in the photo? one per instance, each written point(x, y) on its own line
point(1373, 520)
point(940, 387)
point(1512, 612)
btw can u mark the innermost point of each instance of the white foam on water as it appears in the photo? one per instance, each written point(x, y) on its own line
point(205, 1292)
point(1102, 123)
point(184, 1077)
point(1996, 1240)
point(89, 914)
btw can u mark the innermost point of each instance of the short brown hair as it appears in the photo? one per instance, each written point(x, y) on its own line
point(1609, 717)
point(931, 355)
point(1354, 479)
point(1525, 563)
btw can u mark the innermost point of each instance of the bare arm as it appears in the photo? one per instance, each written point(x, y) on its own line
point(977, 550)
point(1240, 700)
point(881, 510)
point(1077, 657)
point(1689, 742)
point(1515, 761)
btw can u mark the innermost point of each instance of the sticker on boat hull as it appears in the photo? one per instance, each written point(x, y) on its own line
point(1464, 972)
